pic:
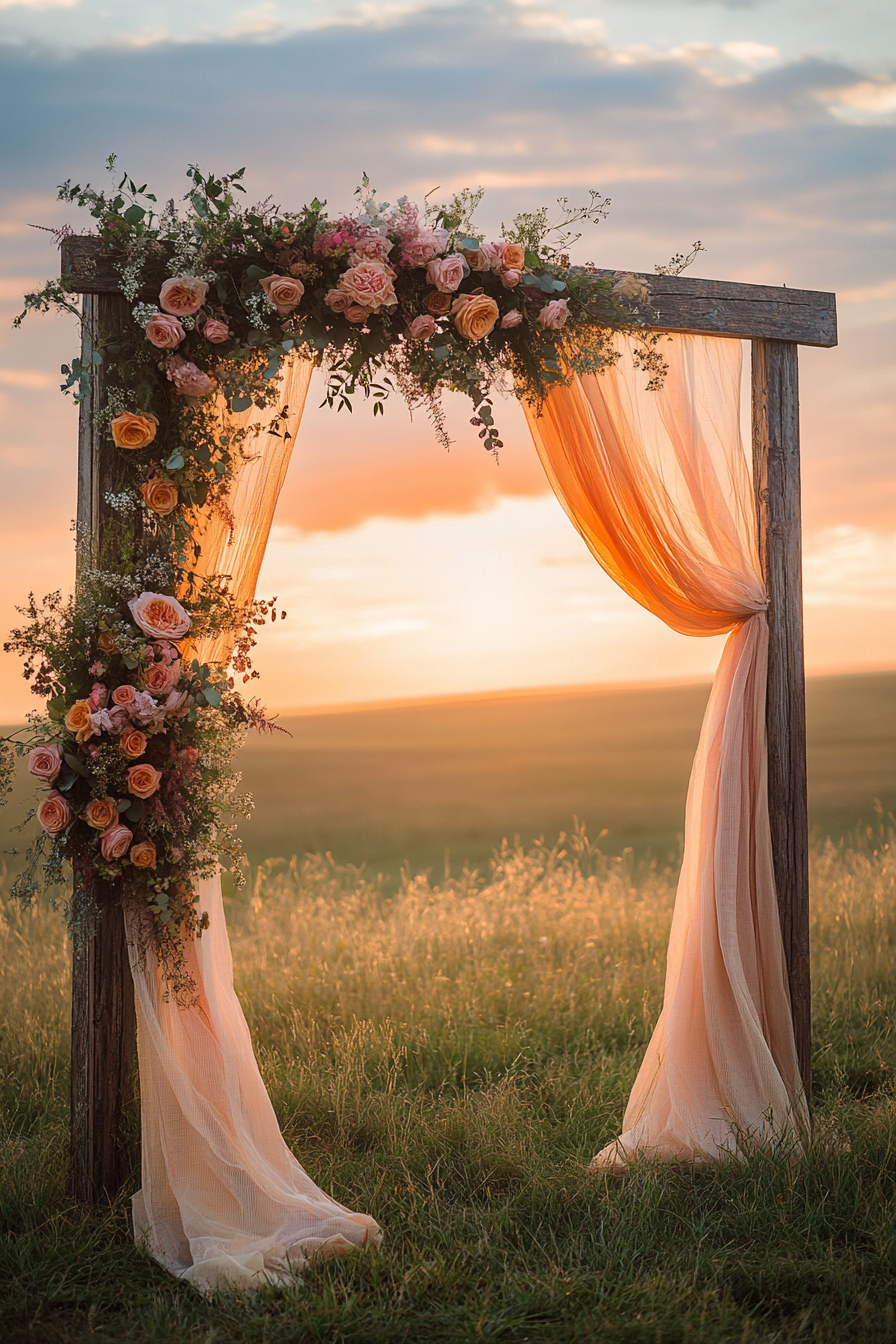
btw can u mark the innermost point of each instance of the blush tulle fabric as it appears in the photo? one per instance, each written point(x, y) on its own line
point(658, 486)
point(224, 1203)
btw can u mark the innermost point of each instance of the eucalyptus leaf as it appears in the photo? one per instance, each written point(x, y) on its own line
point(212, 696)
point(256, 273)
point(175, 461)
point(240, 403)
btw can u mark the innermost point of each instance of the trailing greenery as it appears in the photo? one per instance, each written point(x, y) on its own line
point(449, 1058)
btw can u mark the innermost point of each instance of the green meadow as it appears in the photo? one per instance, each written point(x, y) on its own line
point(449, 1004)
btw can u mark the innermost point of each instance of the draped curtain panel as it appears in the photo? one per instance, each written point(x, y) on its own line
point(223, 1200)
point(657, 484)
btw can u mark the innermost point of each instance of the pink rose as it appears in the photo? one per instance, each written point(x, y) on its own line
point(510, 279)
point(123, 695)
point(189, 380)
point(369, 285)
point(114, 842)
point(446, 273)
point(44, 763)
point(422, 328)
point(494, 253)
point(159, 616)
point(178, 704)
point(553, 315)
point(118, 718)
point(162, 678)
point(183, 295)
point(216, 331)
point(337, 300)
point(355, 313)
point(283, 292)
point(420, 248)
point(102, 722)
point(375, 247)
point(164, 652)
point(512, 319)
point(99, 696)
point(164, 331)
point(54, 813)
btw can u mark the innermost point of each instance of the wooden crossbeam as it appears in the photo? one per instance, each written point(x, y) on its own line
point(776, 321)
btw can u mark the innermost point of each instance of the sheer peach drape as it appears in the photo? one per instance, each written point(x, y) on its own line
point(223, 1200)
point(658, 486)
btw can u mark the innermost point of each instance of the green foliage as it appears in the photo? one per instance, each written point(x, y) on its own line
point(448, 1059)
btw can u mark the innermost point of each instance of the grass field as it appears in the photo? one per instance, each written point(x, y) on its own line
point(448, 1053)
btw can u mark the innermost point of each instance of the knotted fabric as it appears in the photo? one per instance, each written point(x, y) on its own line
point(658, 485)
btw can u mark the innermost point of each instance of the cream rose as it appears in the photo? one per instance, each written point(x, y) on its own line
point(114, 842)
point(474, 315)
point(159, 616)
point(183, 296)
point(143, 855)
point(54, 813)
point(143, 780)
point(476, 259)
point(159, 496)
point(100, 813)
point(132, 743)
point(164, 331)
point(77, 720)
point(283, 292)
point(44, 763)
point(369, 285)
point(446, 273)
point(554, 314)
point(133, 431)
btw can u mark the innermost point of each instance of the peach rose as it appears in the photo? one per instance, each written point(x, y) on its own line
point(54, 813)
point(44, 763)
point(355, 313)
point(438, 303)
point(512, 319)
point(114, 842)
point(132, 743)
point(474, 315)
point(143, 855)
point(188, 378)
point(100, 813)
point(159, 495)
point(283, 292)
point(514, 257)
point(183, 296)
point(162, 678)
point(123, 695)
point(106, 642)
point(422, 328)
point(446, 273)
point(510, 279)
point(77, 720)
point(133, 431)
point(143, 780)
point(164, 331)
point(553, 315)
point(369, 285)
point(159, 616)
point(216, 331)
point(337, 300)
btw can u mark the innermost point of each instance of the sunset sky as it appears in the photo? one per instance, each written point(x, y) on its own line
point(765, 129)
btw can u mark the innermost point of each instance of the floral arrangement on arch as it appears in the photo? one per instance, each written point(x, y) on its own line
point(135, 751)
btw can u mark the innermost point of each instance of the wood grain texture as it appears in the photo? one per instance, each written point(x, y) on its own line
point(103, 1016)
point(684, 303)
point(776, 472)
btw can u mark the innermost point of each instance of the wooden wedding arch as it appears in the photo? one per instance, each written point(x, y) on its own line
point(776, 322)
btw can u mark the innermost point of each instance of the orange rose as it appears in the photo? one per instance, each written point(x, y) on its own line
point(159, 495)
point(134, 431)
point(474, 315)
point(143, 780)
point(77, 720)
point(143, 855)
point(107, 643)
point(183, 295)
point(132, 743)
point(514, 257)
point(438, 303)
point(100, 813)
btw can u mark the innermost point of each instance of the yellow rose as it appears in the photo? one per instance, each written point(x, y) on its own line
point(77, 720)
point(134, 431)
point(474, 315)
point(100, 813)
point(160, 496)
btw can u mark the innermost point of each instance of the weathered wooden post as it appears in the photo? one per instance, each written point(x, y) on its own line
point(103, 1024)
